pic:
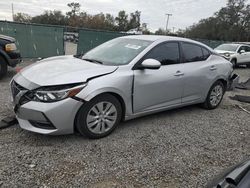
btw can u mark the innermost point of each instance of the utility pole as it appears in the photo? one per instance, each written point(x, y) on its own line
point(12, 6)
point(168, 15)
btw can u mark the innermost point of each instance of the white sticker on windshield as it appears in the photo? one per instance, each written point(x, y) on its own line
point(132, 46)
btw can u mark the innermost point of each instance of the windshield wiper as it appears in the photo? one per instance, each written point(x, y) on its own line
point(79, 56)
point(93, 61)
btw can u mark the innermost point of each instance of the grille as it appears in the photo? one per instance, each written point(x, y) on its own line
point(43, 125)
point(16, 88)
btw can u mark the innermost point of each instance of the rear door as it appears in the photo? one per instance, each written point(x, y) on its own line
point(198, 72)
point(154, 89)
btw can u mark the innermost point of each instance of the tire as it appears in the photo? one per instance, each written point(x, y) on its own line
point(213, 99)
point(97, 119)
point(234, 62)
point(3, 67)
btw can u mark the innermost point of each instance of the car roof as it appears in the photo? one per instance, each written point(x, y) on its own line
point(242, 43)
point(232, 44)
point(162, 38)
point(156, 37)
point(11, 39)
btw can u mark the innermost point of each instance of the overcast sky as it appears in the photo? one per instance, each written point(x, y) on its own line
point(185, 12)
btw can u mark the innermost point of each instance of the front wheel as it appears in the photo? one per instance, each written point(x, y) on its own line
point(215, 96)
point(99, 117)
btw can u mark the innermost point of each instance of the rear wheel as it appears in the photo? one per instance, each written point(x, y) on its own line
point(215, 96)
point(3, 67)
point(99, 117)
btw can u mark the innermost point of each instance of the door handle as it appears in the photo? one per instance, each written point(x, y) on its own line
point(212, 68)
point(179, 73)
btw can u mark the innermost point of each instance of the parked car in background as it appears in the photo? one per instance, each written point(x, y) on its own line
point(236, 176)
point(236, 53)
point(9, 55)
point(71, 37)
point(134, 32)
point(122, 79)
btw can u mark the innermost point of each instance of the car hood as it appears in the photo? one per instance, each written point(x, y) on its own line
point(64, 70)
point(224, 52)
point(10, 39)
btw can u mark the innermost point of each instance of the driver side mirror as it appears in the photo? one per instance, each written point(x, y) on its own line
point(150, 64)
point(242, 51)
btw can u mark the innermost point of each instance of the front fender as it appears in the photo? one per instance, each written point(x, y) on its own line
point(119, 83)
point(104, 90)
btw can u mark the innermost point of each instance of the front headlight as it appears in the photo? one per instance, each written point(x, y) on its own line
point(10, 47)
point(55, 93)
point(227, 54)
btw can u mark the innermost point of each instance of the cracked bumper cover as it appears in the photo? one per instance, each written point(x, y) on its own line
point(49, 118)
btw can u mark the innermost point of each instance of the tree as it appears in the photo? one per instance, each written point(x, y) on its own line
point(73, 15)
point(144, 29)
point(230, 23)
point(50, 17)
point(135, 20)
point(22, 17)
point(160, 31)
point(75, 9)
point(122, 21)
point(77, 18)
point(109, 22)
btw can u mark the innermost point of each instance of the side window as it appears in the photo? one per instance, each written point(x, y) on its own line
point(241, 48)
point(206, 53)
point(247, 48)
point(167, 53)
point(192, 52)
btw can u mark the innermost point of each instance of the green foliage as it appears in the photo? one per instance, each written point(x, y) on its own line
point(77, 18)
point(122, 21)
point(22, 17)
point(230, 23)
point(160, 31)
point(50, 17)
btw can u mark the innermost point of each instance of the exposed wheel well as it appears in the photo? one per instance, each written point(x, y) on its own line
point(224, 82)
point(234, 63)
point(234, 59)
point(121, 102)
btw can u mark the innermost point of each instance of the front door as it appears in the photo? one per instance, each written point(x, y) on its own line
point(154, 89)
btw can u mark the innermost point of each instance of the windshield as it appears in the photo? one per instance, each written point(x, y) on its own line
point(228, 47)
point(118, 51)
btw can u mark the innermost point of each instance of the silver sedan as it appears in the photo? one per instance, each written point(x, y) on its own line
point(122, 79)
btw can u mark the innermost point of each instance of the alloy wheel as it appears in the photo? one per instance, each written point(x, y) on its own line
point(216, 95)
point(101, 117)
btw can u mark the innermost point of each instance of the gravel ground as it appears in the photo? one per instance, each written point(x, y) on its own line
point(178, 148)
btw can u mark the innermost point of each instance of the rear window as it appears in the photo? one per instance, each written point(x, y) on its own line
point(206, 53)
point(192, 52)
